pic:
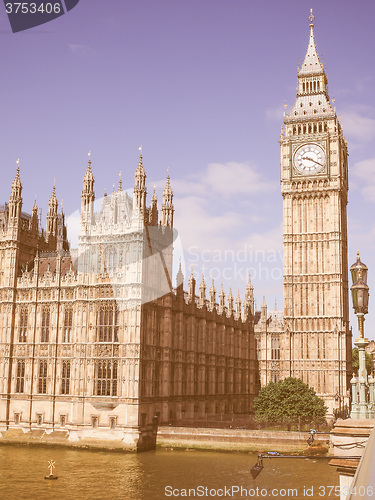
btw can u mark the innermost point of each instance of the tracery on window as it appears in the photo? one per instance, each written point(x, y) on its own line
point(106, 377)
point(107, 323)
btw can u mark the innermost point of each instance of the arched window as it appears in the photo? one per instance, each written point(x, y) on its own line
point(65, 377)
point(106, 378)
point(68, 324)
point(20, 378)
point(42, 380)
point(45, 324)
point(23, 324)
point(107, 323)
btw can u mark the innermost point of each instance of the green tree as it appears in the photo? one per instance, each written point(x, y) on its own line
point(369, 362)
point(287, 399)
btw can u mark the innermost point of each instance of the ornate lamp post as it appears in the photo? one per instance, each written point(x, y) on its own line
point(361, 408)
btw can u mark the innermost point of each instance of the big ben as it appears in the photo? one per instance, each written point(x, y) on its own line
point(316, 344)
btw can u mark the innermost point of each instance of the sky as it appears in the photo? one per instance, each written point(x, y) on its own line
point(201, 85)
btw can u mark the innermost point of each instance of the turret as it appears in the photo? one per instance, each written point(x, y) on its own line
point(34, 222)
point(212, 296)
point(191, 288)
point(51, 228)
point(238, 306)
point(15, 200)
point(140, 191)
point(221, 300)
point(263, 313)
point(202, 293)
point(230, 302)
point(88, 195)
point(153, 217)
point(167, 208)
point(249, 298)
point(180, 277)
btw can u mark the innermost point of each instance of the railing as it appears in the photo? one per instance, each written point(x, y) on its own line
point(363, 485)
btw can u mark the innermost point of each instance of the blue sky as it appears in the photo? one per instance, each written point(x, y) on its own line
point(201, 85)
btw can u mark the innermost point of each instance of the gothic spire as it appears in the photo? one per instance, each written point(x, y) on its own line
point(230, 301)
point(88, 195)
point(52, 215)
point(16, 184)
point(191, 287)
point(312, 100)
point(120, 182)
point(34, 217)
point(140, 191)
point(221, 300)
point(15, 200)
point(212, 295)
point(202, 292)
point(311, 64)
point(167, 208)
point(154, 210)
point(180, 276)
point(238, 305)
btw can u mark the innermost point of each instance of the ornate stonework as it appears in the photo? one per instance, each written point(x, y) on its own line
point(96, 342)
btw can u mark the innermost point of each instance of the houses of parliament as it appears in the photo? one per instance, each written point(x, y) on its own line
point(97, 345)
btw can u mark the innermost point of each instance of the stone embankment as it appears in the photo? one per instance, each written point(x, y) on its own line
point(238, 440)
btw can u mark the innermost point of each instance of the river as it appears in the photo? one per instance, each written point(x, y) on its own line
point(157, 475)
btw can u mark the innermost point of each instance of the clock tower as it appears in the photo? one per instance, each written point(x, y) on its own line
point(316, 344)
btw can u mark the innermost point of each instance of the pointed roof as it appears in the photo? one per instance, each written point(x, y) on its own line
point(89, 175)
point(154, 199)
point(311, 63)
point(203, 284)
point(167, 190)
point(140, 169)
point(179, 276)
point(35, 206)
point(16, 184)
point(53, 199)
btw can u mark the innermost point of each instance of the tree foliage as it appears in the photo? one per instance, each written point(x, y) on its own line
point(286, 400)
point(369, 362)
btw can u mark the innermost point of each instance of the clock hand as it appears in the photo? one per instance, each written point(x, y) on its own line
point(310, 159)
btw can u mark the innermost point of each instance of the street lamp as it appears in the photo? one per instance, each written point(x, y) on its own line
point(360, 292)
point(361, 407)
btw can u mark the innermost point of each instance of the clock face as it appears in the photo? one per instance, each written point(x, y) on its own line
point(309, 159)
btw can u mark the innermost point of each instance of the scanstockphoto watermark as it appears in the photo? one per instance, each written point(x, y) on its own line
point(236, 491)
point(230, 264)
point(230, 492)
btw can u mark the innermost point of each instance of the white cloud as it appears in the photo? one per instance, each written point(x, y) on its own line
point(225, 179)
point(275, 114)
point(358, 125)
point(235, 178)
point(365, 172)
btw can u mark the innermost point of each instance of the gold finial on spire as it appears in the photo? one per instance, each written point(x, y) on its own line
point(140, 149)
point(311, 17)
point(120, 181)
point(285, 106)
point(89, 157)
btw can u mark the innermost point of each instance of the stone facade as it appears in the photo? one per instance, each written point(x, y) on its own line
point(95, 342)
point(268, 330)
